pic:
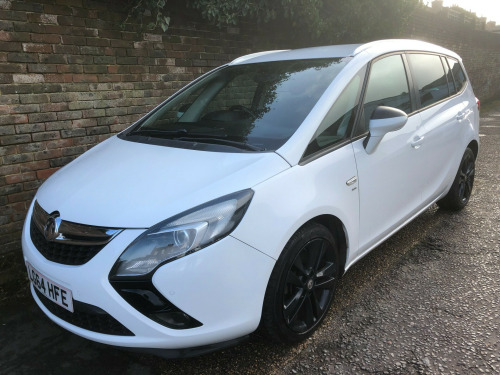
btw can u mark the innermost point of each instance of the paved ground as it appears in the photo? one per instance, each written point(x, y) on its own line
point(427, 301)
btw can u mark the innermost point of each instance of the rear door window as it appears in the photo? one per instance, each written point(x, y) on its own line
point(430, 78)
point(458, 74)
point(449, 77)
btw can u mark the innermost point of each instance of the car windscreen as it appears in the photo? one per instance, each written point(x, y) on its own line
point(255, 107)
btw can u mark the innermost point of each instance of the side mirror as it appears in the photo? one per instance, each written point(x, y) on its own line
point(383, 121)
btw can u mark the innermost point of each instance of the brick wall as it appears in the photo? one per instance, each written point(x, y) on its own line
point(70, 78)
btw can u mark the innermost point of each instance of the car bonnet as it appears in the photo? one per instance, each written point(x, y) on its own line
point(125, 184)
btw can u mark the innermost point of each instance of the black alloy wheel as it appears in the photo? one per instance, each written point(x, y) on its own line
point(466, 178)
point(302, 285)
point(460, 192)
point(309, 285)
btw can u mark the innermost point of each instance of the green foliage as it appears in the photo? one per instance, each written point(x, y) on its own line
point(227, 12)
point(151, 10)
point(362, 20)
point(327, 21)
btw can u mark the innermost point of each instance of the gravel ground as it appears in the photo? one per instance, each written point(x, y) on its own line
point(427, 301)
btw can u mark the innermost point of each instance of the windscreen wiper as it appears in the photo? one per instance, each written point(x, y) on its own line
point(174, 134)
point(220, 141)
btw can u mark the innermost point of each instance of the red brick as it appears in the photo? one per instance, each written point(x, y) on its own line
point(69, 115)
point(17, 158)
point(21, 197)
point(7, 130)
point(54, 107)
point(58, 77)
point(7, 150)
point(76, 40)
point(31, 185)
point(46, 38)
point(34, 166)
point(30, 128)
point(45, 136)
point(48, 154)
point(31, 147)
point(22, 177)
point(5, 36)
point(110, 78)
point(37, 47)
point(69, 69)
point(84, 78)
point(6, 170)
point(25, 108)
point(42, 117)
point(13, 119)
point(97, 42)
point(60, 143)
point(83, 123)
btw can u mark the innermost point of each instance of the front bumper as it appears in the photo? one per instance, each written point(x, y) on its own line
point(221, 286)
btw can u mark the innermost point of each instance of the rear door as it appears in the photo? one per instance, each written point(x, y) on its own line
point(442, 113)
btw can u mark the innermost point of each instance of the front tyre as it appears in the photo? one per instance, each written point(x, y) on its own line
point(302, 285)
point(460, 192)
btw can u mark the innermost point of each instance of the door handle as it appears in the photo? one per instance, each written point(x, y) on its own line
point(417, 142)
point(351, 181)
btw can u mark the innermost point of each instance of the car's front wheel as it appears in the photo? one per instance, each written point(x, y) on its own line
point(302, 285)
point(460, 192)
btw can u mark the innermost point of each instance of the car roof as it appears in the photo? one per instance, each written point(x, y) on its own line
point(372, 49)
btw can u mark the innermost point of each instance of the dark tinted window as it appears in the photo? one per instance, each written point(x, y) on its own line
point(449, 77)
point(458, 74)
point(337, 123)
point(430, 78)
point(387, 86)
point(260, 105)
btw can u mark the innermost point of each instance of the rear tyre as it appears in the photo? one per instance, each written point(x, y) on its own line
point(460, 192)
point(302, 284)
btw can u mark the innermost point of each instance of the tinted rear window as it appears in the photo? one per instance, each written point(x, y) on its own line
point(430, 78)
point(458, 73)
point(451, 84)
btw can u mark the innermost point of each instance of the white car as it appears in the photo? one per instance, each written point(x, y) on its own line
point(241, 200)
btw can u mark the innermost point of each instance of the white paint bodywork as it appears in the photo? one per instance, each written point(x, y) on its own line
point(134, 186)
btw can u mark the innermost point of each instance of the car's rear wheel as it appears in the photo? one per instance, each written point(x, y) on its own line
point(302, 285)
point(460, 192)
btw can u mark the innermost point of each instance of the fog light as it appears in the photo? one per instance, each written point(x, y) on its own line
point(143, 296)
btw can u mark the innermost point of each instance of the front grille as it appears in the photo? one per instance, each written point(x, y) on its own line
point(86, 316)
point(60, 252)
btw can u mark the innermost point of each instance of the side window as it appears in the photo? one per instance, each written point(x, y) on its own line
point(430, 78)
point(458, 74)
point(339, 119)
point(387, 86)
point(449, 77)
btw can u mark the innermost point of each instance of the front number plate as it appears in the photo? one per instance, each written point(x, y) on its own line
point(53, 291)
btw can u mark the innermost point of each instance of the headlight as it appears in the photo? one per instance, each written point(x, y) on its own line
point(183, 234)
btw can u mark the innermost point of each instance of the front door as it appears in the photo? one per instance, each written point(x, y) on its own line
point(390, 182)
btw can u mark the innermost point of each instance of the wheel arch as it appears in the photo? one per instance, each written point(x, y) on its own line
point(474, 146)
point(338, 230)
